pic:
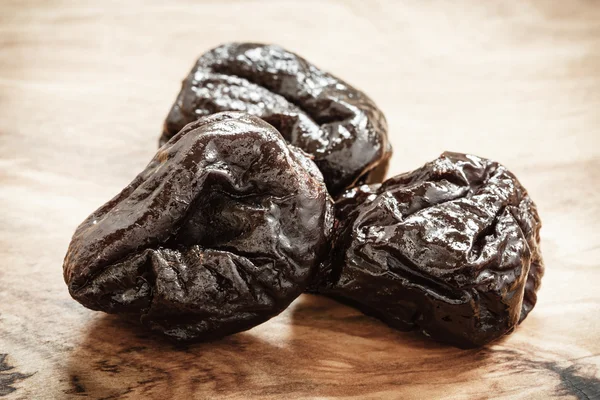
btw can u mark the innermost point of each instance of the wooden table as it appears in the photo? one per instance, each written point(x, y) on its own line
point(84, 88)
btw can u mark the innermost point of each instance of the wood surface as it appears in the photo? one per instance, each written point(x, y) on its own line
point(84, 89)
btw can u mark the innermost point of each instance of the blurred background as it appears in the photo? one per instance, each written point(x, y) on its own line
point(467, 76)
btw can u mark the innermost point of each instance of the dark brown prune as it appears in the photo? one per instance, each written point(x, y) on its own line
point(220, 232)
point(337, 124)
point(451, 249)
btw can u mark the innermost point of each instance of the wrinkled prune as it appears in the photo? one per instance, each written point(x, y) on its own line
point(220, 232)
point(451, 249)
point(324, 116)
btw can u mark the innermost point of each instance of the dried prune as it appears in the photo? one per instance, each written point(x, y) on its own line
point(220, 232)
point(451, 249)
point(324, 116)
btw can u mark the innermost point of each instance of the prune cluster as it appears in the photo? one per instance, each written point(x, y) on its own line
point(268, 183)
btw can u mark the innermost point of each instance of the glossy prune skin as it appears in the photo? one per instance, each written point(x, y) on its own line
point(220, 232)
point(337, 124)
point(451, 249)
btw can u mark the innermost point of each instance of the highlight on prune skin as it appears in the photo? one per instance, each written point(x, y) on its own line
point(451, 249)
point(220, 232)
point(337, 124)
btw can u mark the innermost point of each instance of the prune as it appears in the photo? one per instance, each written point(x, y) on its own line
point(220, 232)
point(451, 249)
point(326, 117)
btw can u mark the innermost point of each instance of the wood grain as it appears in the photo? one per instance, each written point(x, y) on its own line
point(85, 86)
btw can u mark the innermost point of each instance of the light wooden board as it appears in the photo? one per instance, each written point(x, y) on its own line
point(84, 88)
